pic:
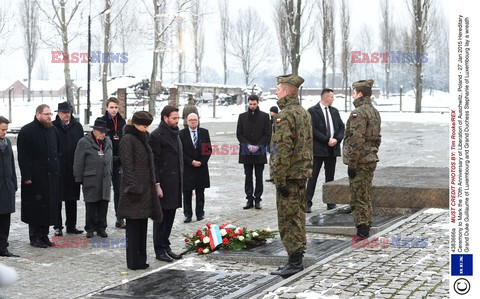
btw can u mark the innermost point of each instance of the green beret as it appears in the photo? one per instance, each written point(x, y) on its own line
point(366, 83)
point(290, 79)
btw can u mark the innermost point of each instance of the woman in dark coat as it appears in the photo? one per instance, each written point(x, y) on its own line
point(92, 167)
point(138, 197)
point(8, 186)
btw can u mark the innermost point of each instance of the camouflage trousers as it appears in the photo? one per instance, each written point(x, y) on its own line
point(291, 216)
point(360, 188)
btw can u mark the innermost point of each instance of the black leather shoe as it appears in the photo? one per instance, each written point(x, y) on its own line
point(187, 219)
point(102, 234)
point(249, 204)
point(258, 205)
point(38, 243)
point(331, 206)
point(269, 180)
point(120, 224)
point(6, 253)
point(200, 218)
point(46, 240)
point(174, 255)
point(308, 210)
point(74, 231)
point(164, 257)
point(58, 232)
point(89, 235)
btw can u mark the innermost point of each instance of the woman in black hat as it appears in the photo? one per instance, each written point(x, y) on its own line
point(139, 199)
point(92, 167)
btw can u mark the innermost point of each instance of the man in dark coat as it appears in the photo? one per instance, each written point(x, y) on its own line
point(254, 132)
point(38, 148)
point(115, 123)
point(196, 153)
point(8, 186)
point(168, 156)
point(70, 132)
point(328, 129)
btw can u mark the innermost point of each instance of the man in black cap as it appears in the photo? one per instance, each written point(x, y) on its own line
point(70, 131)
point(115, 123)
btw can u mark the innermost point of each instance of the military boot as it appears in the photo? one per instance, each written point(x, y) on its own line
point(295, 265)
point(363, 231)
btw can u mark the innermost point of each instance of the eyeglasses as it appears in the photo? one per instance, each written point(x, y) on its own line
point(47, 114)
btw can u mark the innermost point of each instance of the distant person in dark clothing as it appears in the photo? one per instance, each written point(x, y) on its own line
point(8, 187)
point(115, 123)
point(273, 113)
point(38, 158)
point(254, 131)
point(70, 131)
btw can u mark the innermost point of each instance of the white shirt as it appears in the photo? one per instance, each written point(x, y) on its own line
point(328, 118)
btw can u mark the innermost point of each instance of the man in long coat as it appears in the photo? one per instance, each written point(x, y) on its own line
point(168, 156)
point(254, 131)
point(70, 132)
point(8, 186)
point(38, 149)
point(196, 153)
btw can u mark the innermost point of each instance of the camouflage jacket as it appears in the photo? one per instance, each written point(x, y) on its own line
point(362, 135)
point(292, 142)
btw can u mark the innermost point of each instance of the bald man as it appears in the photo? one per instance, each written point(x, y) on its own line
point(196, 153)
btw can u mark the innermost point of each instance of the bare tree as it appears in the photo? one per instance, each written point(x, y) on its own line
point(106, 46)
point(249, 42)
point(325, 27)
point(367, 41)
point(5, 27)
point(60, 19)
point(280, 28)
point(345, 29)
point(198, 38)
point(297, 22)
point(41, 70)
point(424, 24)
point(29, 22)
point(158, 36)
point(225, 28)
point(332, 44)
point(386, 37)
point(126, 30)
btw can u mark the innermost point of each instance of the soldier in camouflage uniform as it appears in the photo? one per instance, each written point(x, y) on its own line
point(360, 147)
point(292, 156)
point(189, 108)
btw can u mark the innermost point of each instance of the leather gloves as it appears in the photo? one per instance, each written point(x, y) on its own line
point(283, 190)
point(352, 172)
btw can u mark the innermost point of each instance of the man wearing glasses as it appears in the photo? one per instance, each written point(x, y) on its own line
point(38, 148)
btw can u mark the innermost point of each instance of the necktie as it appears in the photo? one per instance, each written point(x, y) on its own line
point(195, 139)
point(329, 130)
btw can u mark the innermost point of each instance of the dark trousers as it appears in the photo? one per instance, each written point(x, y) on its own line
point(162, 230)
point(4, 230)
point(37, 232)
point(330, 163)
point(96, 216)
point(70, 215)
point(136, 233)
point(116, 180)
point(199, 202)
point(258, 180)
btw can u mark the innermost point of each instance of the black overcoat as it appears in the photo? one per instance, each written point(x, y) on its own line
point(8, 180)
point(168, 156)
point(255, 129)
point(38, 149)
point(138, 196)
point(196, 177)
point(319, 128)
point(69, 136)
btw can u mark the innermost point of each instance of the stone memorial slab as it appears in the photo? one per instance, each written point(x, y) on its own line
point(398, 187)
point(171, 283)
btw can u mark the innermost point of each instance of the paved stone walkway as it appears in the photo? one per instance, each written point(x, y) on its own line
point(76, 272)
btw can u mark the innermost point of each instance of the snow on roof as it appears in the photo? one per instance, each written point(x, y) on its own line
point(4, 84)
point(46, 85)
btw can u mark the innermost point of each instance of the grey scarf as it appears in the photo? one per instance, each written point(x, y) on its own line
point(3, 144)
